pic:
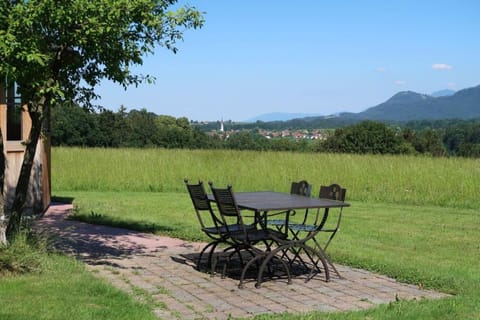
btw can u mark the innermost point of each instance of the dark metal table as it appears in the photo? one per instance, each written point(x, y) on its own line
point(262, 202)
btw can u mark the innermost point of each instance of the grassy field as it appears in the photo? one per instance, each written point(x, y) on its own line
point(451, 182)
point(412, 218)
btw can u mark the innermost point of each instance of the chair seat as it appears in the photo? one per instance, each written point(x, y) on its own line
point(256, 235)
point(276, 222)
point(302, 188)
point(302, 227)
point(231, 228)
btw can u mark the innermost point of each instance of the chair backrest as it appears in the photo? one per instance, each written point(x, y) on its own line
point(302, 188)
point(226, 203)
point(333, 192)
point(228, 208)
point(198, 195)
point(201, 203)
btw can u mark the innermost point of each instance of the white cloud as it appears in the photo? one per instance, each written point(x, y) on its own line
point(451, 84)
point(380, 69)
point(441, 66)
point(400, 82)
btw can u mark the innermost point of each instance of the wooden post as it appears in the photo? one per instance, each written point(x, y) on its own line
point(3, 223)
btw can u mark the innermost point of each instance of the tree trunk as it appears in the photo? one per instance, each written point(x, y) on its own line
point(21, 191)
point(3, 224)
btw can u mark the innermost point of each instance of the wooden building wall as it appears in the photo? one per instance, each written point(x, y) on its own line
point(39, 191)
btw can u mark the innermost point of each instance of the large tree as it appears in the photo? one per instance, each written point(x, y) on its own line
point(59, 50)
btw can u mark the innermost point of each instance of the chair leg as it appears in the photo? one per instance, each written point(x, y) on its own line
point(212, 244)
point(247, 266)
point(297, 251)
point(297, 256)
point(334, 268)
point(216, 257)
point(272, 255)
point(321, 258)
point(324, 250)
point(236, 250)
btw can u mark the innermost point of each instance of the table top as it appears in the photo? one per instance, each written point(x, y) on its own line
point(272, 201)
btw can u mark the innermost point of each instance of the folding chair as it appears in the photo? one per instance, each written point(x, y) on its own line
point(302, 188)
point(318, 225)
point(246, 238)
point(210, 223)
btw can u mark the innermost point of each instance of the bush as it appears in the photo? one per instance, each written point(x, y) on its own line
point(367, 137)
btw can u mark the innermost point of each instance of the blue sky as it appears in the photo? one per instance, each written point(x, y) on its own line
point(310, 56)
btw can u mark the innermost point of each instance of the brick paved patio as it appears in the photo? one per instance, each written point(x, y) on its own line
point(162, 270)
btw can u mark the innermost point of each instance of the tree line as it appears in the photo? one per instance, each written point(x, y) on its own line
point(72, 125)
point(76, 126)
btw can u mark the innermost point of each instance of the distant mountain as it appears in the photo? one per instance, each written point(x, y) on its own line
point(280, 116)
point(443, 93)
point(409, 105)
point(403, 106)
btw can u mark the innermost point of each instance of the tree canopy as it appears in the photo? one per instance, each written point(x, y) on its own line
point(58, 51)
point(66, 47)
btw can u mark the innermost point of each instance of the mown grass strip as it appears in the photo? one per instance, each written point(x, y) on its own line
point(61, 288)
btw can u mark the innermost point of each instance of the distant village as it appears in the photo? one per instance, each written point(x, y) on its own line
point(298, 134)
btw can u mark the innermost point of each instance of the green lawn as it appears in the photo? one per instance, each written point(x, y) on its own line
point(65, 290)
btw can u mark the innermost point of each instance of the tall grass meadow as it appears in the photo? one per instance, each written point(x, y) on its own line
point(450, 182)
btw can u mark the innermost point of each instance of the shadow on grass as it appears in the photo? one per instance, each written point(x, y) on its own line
point(103, 219)
point(62, 199)
point(100, 219)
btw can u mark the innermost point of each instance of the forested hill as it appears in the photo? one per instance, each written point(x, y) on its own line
point(408, 106)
